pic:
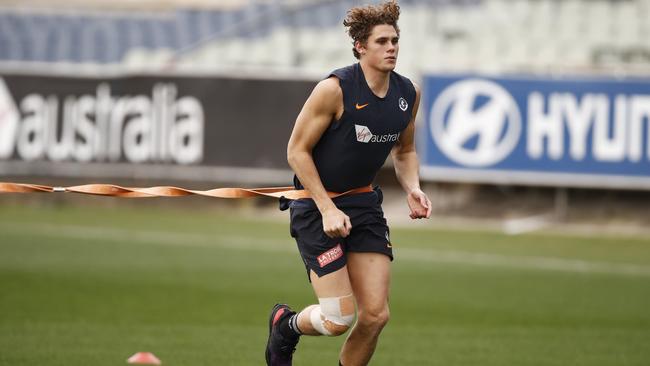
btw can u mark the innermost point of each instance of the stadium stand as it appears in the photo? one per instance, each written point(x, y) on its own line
point(443, 35)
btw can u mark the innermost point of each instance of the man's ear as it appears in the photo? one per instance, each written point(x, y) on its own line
point(359, 47)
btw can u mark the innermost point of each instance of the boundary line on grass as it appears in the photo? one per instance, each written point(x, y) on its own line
point(240, 242)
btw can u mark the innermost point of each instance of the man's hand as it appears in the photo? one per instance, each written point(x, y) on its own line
point(419, 204)
point(336, 224)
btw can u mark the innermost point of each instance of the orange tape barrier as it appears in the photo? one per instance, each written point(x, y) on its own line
point(165, 191)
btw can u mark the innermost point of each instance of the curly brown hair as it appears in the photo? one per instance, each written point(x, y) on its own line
point(360, 21)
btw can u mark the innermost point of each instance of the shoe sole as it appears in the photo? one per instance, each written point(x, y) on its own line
point(268, 342)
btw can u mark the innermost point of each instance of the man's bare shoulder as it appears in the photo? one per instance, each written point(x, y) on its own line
point(327, 96)
point(417, 87)
point(329, 88)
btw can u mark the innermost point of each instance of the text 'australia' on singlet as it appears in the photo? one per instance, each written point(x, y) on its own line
point(352, 149)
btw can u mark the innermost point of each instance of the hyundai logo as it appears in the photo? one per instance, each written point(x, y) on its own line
point(475, 123)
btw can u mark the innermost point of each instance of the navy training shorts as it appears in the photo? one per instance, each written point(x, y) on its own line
point(322, 254)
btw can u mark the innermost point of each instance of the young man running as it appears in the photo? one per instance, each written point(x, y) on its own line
point(341, 138)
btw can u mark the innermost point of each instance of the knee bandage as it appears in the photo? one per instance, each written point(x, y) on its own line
point(333, 315)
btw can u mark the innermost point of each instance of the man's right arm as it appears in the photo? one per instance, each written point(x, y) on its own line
point(323, 105)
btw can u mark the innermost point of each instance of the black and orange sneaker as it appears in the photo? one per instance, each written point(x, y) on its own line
point(280, 348)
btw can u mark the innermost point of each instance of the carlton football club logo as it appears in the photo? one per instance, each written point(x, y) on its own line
point(475, 123)
point(403, 105)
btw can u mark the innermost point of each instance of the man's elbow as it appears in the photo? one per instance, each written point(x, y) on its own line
point(292, 156)
point(402, 153)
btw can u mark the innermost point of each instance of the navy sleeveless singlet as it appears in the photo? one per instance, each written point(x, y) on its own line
point(352, 149)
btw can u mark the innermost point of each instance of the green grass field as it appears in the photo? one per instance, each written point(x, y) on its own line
point(92, 286)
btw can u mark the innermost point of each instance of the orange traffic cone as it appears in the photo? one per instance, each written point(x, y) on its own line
point(144, 358)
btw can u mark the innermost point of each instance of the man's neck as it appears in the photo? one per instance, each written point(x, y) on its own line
point(377, 80)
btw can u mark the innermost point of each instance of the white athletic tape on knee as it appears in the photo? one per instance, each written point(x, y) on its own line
point(334, 315)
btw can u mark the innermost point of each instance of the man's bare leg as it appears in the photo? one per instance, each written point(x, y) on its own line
point(333, 316)
point(369, 275)
point(332, 285)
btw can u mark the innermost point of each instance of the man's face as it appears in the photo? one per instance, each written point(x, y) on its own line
point(381, 48)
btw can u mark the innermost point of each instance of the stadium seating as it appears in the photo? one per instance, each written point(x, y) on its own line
point(439, 35)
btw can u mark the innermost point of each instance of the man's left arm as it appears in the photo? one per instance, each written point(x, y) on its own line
point(406, 164)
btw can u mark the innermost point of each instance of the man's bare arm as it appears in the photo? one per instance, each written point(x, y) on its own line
point(406, 164)
point(323, 105)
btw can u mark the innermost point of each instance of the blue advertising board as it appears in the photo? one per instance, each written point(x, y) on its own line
point(581, 132)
